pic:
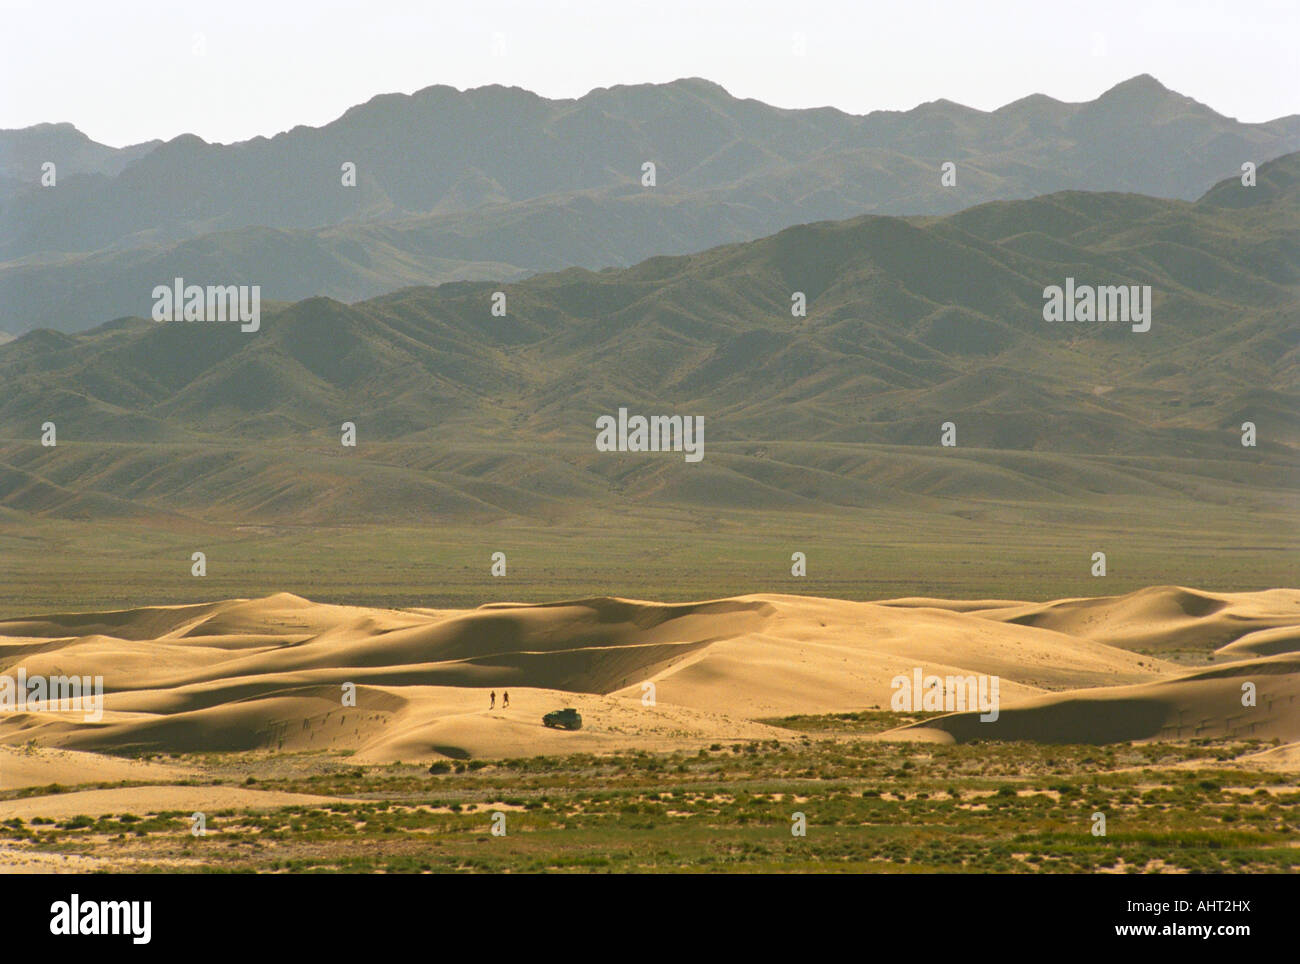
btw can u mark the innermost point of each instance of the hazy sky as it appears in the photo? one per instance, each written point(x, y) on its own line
point(127, 71)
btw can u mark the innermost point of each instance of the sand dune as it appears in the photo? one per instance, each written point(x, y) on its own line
point(1206, 704)
point(43, 766)
point(1155, 619)
point(270, 674)
point(1285, 758)
point(142, 801)
point(827, 655)
point(1263, 642)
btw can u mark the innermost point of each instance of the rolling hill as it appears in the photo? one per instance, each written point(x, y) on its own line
point(911, 322)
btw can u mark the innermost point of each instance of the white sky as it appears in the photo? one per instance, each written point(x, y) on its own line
point(130, 70)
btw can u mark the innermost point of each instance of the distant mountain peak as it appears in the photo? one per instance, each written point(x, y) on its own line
point(187, 140)
point(1145, 89)
point(500, 92)
point(433, 90)
point(50, 127)
point(945, 106)
point(699, 84)
point(1139, 82)
point(1033, 102)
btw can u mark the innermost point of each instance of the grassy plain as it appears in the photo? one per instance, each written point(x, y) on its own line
point(869, 807)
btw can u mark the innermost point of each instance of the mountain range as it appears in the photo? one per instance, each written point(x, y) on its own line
point(499, 183)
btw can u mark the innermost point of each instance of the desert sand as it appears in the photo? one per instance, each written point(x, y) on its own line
point(153, 799)
point(34, 766)
point(270, 675)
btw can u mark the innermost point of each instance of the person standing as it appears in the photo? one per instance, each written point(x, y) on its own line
point(493, 697)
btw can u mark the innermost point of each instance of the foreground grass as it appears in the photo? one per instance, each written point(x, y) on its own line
point(868, 806)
